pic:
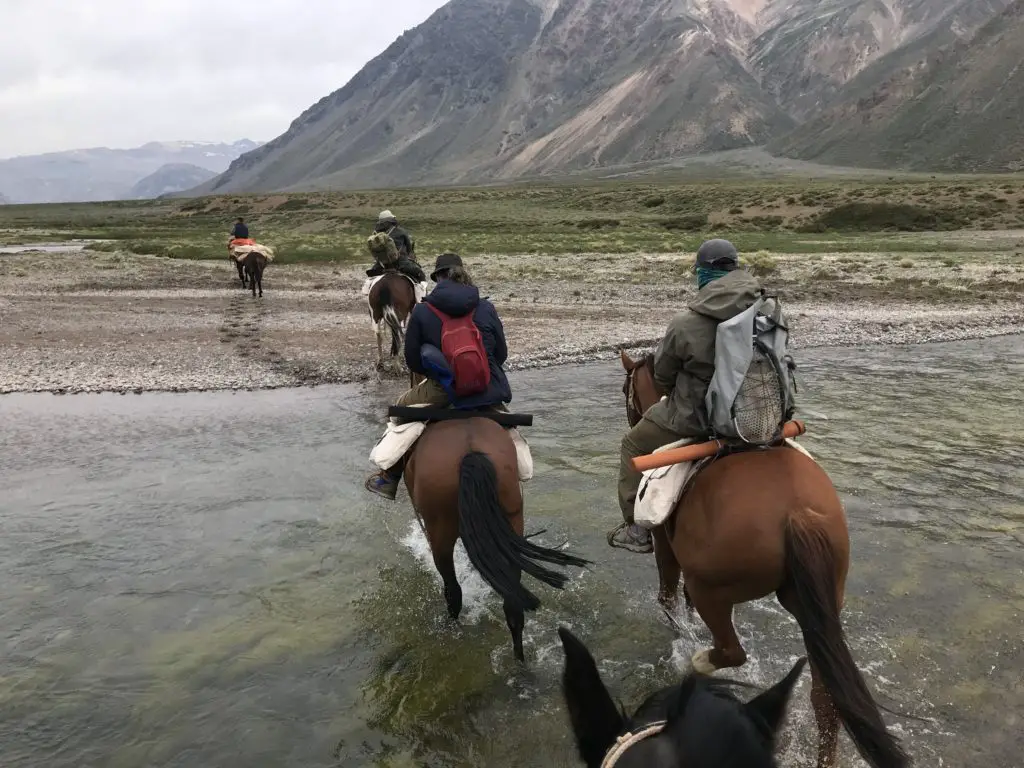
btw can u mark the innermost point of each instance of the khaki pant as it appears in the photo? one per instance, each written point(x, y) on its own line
point(427, 392)
point(646, 437)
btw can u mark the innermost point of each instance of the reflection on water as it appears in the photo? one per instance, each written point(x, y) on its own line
point(200, 580)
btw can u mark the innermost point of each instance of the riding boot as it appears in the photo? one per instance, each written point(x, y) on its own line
point(385, 483)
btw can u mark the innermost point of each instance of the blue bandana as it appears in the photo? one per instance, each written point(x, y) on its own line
point(706, 274)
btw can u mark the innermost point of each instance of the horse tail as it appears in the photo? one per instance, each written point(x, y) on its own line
point(497, 552)
point(811, 580)
point(391, 318)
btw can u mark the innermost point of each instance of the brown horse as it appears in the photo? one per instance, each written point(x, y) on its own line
point(463, 480)
point(252, 266)
point(391, 301)
point(757, 522)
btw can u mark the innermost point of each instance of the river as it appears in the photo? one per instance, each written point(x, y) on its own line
point(200, 579)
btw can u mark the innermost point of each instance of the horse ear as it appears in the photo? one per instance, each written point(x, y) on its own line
point(596, 722)
point(627, 361)
point(770, 706)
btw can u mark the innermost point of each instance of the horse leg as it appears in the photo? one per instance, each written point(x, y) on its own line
point(515, 618)
point(259, 280)
point(252, 282)
point(445, 563)
point(716, 611)
point(380, 346)
point(825, 714)
point(668, 569)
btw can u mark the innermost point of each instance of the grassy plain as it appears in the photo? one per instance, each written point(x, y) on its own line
point(777, 216)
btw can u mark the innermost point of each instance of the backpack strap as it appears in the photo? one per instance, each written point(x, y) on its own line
point(441, 315)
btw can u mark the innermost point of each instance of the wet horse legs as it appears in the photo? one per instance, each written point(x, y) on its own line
point(445, 564)
point(516, 620)
point(715, 610)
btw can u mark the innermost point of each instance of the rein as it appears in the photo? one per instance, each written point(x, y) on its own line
point(631, 739)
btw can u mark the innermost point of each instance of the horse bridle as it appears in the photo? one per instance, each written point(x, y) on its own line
point(631, 739)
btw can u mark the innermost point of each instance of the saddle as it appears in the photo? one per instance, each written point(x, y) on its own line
point(400, 436)
point(419, 289)
point(662, 488)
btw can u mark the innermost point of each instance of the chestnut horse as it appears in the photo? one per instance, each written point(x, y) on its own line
point(757, 522)
point(463, 479)
point(391, 300)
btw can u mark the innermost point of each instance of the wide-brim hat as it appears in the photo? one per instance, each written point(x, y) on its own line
point(445, 262)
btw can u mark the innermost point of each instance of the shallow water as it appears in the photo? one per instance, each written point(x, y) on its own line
point(47, 247)
point(200, 579)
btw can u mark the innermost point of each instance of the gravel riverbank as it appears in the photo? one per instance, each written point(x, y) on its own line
point(100, 322)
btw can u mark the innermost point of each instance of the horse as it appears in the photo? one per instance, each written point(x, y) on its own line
point(253, 264)
point(698, 724)
point(391, 300)
point(463, 479)
point(757, 522)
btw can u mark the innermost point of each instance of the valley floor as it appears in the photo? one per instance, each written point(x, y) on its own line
point(92, 322)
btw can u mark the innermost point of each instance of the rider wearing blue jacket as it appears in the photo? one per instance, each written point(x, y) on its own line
point(456, 296)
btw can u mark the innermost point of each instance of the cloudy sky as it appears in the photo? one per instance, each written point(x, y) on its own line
point(119, 73)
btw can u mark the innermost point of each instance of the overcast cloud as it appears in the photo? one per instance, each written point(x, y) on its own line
point(119, 73)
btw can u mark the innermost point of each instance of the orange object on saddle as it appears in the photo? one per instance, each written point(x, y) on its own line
point(700, 450)
point(242, 241)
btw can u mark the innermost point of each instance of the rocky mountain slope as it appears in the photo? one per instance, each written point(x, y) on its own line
point(502, 88)
point(491, 90)
point(961, 108)
point(170, 178)
point(105, 174)
point(809, 50)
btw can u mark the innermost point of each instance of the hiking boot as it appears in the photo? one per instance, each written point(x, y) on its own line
point(383, 485)
point(631, 537)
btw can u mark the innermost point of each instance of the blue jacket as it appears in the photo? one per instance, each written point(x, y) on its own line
point(424, 332)
point(240, 231)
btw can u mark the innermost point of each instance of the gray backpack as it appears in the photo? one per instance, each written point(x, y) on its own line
point(750, 397)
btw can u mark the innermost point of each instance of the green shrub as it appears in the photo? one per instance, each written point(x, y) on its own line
point(693, 222)
point(760, 264)
point(899, 216)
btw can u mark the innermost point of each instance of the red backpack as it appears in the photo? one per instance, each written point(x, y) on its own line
point(463, 348)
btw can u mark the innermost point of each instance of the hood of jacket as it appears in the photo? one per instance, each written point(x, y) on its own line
point(727, 296)
point(454, 299)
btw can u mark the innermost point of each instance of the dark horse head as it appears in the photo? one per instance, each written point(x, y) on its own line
point(698, 724)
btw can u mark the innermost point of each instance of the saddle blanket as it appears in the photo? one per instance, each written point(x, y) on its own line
point(661, 488)
point(399, 438)
point(237, 251)
point(420, 289)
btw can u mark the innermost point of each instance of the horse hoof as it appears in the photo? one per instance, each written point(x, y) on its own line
point(702, 663)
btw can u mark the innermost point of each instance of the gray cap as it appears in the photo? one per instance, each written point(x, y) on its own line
point(718, 254)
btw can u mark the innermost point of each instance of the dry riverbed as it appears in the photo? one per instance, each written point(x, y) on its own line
point(92, 322)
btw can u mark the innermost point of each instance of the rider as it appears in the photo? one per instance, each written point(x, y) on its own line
point(683, 366)
point(407, 264)
point(240, 231)
point(456, 296)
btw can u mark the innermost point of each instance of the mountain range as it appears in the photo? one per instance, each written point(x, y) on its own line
point(111, 174)
point(493, 90)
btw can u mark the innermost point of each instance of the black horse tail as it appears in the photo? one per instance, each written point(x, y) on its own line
point(811, 580)
point(497, 552)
